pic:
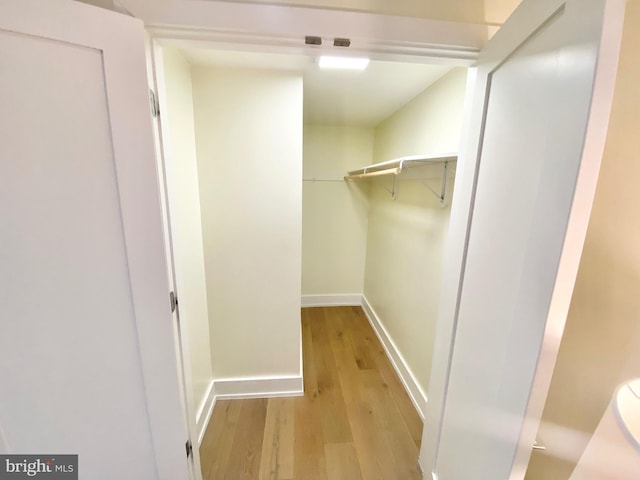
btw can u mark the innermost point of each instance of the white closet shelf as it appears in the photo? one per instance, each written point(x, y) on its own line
point(395, 167)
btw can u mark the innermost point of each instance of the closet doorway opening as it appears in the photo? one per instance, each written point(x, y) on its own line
point(249, 209)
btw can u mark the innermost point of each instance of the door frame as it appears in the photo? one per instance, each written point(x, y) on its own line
point(239, 26)
point(181, 343)
point(262, 27)
point(156, 84)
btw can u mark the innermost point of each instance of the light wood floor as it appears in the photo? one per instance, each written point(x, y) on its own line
point(354, 422)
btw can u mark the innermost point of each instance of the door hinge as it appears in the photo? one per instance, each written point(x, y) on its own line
point(153, 100)
point(173, 299)
point(189, 448)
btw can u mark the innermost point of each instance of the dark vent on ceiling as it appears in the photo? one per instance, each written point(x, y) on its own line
point(341, 42)
point(311, 40)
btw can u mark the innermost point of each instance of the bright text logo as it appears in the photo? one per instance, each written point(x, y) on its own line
point(50, 467)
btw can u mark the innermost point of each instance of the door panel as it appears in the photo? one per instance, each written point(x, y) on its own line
point(526, 227)
point(88, 365)
point(70, 331)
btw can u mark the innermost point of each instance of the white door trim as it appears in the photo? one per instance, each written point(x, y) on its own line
point(155, 72)
point(278, 28)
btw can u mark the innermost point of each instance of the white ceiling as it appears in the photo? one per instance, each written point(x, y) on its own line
point(334, 97)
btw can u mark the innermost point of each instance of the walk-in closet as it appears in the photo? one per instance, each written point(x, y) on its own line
point(289, 185)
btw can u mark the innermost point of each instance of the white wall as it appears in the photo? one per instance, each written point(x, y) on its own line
point(406, 236)
point(248, 126)
point(430, 123)
point(334, 212)
point(186, 228)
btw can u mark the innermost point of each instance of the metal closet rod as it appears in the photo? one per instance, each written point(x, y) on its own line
point(376, 173)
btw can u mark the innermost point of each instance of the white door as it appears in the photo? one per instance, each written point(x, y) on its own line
point(88, 363)
point(525, 185)
point(195, 269)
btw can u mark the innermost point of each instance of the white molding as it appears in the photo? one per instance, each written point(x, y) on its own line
point(338, 300)
point(413, 389)
point(205, 411)
point(259, 387)
point(288, 386)
point(242, 25)
point(425, 53)
point(245, 387)
point(408, 379)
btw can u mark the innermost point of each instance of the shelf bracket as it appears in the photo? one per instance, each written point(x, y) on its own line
point(394, 187)
point(443, 187)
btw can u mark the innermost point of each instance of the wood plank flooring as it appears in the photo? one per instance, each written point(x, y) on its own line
point(355, 421)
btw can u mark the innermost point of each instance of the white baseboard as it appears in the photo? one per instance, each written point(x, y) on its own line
point(250, 387)
point(292, 386)
point(338, 300)
point(259, 387)
point(206, 409)
point(417, 395)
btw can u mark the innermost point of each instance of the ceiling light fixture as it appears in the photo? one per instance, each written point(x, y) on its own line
point(345, 63)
